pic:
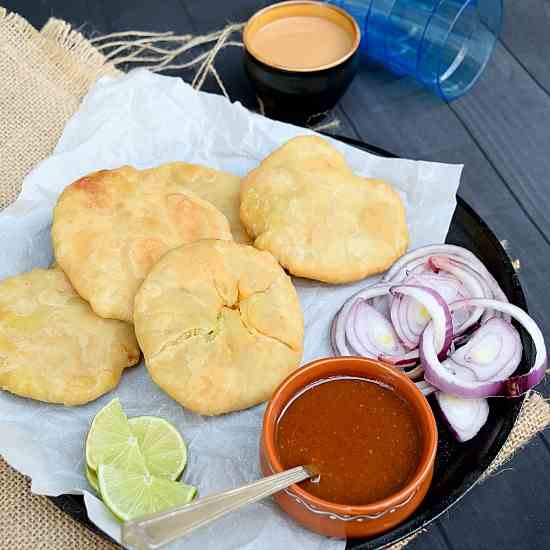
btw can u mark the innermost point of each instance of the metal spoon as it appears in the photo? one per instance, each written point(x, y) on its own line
point(156, 530)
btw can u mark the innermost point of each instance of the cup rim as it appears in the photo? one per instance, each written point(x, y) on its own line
point(323, 5)
point(396, 500)
point(481, 69)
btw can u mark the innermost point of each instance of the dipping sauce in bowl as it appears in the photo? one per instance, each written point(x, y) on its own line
point(368, 431)
point(359, 434)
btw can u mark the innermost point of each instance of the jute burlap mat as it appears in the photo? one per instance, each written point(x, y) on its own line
point(43, 77)
point(31, 522)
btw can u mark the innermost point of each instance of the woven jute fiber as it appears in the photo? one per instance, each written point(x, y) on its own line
point(43, 77)
point(31, 522)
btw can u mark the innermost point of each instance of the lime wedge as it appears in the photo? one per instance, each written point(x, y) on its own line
point(110, 441)
point(130, 494)
point(91, 476)
point(161, 445)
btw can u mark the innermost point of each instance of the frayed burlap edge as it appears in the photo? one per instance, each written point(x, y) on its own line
point(532, 419)
point(68, 65)
point(32, 522)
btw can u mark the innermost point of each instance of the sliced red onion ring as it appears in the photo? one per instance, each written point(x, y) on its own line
point(407, 359)
point(491, 288)
point(413, 357)
point(339, 334)
point(399, 268)
point(494, 351)
point(403, 270)
point(373, 291)
point(465, 417)
point(410, 261)
point(369, 333)
point(436, 308)
point(410, 317)
point(474, 285)
point(463, 338)
point(407, 320)
point(453, 380)
point(354, 342)
point(382, 304)
point(460, 269)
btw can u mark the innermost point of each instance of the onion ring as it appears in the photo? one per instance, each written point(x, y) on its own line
point(444, 379)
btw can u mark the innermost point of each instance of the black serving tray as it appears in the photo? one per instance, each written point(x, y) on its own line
point(458, 466)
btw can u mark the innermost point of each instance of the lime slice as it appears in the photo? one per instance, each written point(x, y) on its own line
point(161, 445)
point(91, 476)
point(110, 441)
point(129, 494)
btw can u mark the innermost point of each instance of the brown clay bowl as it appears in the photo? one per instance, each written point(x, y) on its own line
point(344, 521)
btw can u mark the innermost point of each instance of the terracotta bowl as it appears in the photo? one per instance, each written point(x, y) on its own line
point(337, 520)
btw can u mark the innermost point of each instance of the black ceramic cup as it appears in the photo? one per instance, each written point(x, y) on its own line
point(300, 96)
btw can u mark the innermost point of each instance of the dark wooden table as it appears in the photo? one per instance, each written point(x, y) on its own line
point(500, 131)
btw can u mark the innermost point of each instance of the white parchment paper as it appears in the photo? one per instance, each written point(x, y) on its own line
point(144, 119)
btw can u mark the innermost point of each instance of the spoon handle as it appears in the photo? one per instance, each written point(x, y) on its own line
point(153, 531)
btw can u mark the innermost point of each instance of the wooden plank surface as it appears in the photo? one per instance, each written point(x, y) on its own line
point(525, 34)
point(500, 131)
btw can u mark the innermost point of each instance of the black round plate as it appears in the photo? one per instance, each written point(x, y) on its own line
point(458, 465)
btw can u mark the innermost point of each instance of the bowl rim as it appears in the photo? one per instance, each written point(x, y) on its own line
point(395, 500)
point(355, 45)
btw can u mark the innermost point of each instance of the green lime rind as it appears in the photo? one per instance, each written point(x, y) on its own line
point(129, 495)
point(111, 441)
point(91, 476)
point(161, 445)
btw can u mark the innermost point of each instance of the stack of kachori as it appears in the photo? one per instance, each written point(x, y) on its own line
point(165, 252)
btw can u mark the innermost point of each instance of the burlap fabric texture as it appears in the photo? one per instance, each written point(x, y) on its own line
point(43, 77)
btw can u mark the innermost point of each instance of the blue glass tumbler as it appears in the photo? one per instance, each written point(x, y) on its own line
point(444, 44)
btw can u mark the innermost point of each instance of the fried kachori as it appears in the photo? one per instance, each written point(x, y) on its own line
point(53, 347)
point(220, 325)
point(221, 189)
point(305, 206)
point(111, 226)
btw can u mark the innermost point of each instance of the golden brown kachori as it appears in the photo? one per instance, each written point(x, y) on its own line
point(305, 206)
point(220, 325)
point(111, 226)
point(53, 347)
point(221, 189)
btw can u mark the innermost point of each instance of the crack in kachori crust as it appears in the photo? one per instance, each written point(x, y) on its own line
point(230, 346)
